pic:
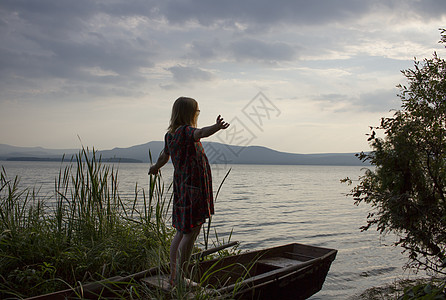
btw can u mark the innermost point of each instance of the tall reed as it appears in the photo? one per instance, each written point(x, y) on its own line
point(84, 232)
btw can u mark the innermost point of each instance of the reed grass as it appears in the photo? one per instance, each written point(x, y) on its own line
point(84, 232)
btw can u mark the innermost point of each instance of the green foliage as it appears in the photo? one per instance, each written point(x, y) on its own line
point(85, 232)
point(408, 184)
point(425, 291)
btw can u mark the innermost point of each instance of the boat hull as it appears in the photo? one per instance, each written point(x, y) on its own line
point(293, 271)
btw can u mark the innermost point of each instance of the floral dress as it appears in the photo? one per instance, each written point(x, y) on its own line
point(192, 181)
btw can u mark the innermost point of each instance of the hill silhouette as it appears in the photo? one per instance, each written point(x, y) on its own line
point(216, 153)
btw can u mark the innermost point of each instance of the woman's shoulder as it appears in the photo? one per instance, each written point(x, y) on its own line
point(187, 129)
point(184, 133)
point(168, 135)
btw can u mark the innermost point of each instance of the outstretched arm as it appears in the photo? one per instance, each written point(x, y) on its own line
point(162, 160)
point(210, 130)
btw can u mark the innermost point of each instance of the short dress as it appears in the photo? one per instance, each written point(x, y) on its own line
point(192, 181)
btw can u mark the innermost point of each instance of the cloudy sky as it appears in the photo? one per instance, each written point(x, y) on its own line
point(292, 75)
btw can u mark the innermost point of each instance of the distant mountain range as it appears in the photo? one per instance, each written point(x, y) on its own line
point(216, 153)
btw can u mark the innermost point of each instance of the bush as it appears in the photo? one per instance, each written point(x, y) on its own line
point(408, 185)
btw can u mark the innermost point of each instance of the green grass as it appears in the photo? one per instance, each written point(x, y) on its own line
point(83, 233)
point(429, 288)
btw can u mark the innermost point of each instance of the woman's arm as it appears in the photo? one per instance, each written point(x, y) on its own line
point(162, 160)
point(210, 130)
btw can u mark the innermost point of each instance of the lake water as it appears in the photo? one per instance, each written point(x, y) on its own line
point(271, 205)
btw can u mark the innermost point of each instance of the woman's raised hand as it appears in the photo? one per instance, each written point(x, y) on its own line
point(221, 123)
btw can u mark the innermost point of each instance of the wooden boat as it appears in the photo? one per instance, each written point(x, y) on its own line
point(293, 271)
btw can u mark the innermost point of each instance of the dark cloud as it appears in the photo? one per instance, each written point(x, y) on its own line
point(182, 74)
point(62, 40)
point(76, 14)
point(66, 40)
point(204, 50)
point(243, 49)
point(379, 101)
point(260, 12)
point(54, 18)
point(257, 50)
point(265, 13)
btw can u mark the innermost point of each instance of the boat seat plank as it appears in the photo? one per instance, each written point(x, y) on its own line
point(281, 262)
point(292, 254)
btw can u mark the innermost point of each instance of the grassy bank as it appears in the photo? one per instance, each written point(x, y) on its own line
point(408, 289)
point(82, 233)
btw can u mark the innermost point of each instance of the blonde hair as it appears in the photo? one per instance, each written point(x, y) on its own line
point(184, 112)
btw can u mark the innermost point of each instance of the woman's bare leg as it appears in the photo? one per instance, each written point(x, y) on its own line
point(173, 255)
point(185, 248)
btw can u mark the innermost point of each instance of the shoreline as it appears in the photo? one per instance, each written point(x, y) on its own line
point(393, 290)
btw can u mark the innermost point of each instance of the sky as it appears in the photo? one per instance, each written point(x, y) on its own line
point(291, 75)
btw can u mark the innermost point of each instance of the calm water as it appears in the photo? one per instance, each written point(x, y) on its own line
point(273, 205)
